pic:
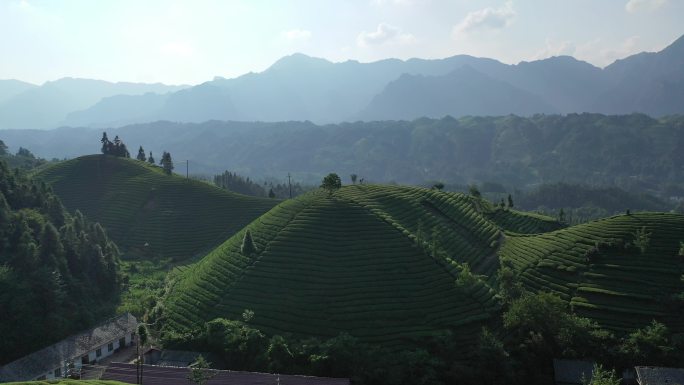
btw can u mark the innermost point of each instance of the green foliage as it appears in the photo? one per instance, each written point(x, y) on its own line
point(150, 159)
point(247, 315)
point(60, 273)
point(353, 178)
point(474, 191)
point(600, 376)
point(199, 371)
point(642, 239)
point(151, 216)
point(141, 154)
point(115, 148)
point(167, 163)
point(331, 182)
point(248, 248)
point(650, 345)
point(142, 334)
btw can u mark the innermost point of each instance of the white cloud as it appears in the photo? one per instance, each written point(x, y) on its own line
point(384, 34)
point(485, 19)
point(634, 6)
point(296, 35)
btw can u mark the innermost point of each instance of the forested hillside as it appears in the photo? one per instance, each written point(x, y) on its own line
point(634, 152)
point(59, 272)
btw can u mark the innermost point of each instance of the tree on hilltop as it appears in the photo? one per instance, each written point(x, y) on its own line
point(166, 163)
point(331, 183)
point(353, 178)
point(151, 159)
point(116, 148)
point(474, 191)
point(510, 201)
point(141, 155)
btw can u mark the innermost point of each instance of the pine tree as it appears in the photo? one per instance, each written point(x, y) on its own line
point(248, 246)
point(151, 159)
point(141, 154)
point(167, 163)
point(510, 201)
point(106, 144)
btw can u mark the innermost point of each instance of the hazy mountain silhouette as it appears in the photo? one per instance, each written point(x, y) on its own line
point(463, 91)
point(299, 87)
point(10, 88)
point(48, 105)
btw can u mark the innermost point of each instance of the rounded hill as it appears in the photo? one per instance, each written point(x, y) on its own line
point(378, 262)
point(147, 212)
point(623, 271)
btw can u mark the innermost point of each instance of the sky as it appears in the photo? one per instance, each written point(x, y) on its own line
point(190, 42)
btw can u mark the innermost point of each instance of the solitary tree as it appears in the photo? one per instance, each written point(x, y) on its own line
point(106, 144)
point(248, 247)
point(642, 238)
point(199, 371)
point(474, 191)
point(167, 163)
point(151, 159)
point(141, 155)
point(510, 201)
point(331, 183)
point(438, 186)
point(353, 178)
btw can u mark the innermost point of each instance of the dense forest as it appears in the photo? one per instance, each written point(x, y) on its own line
point(634, 152)
point(243, 185)
point(59, 273)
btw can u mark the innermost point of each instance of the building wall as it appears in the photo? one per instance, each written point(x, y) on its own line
point(92, 356)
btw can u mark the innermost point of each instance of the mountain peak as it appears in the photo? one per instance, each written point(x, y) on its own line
point(296, 61)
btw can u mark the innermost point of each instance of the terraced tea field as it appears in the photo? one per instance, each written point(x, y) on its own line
point(621, 288)
point(147, 212)
point(379, 262)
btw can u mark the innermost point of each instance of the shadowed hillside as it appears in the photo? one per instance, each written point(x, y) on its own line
point(147, 212)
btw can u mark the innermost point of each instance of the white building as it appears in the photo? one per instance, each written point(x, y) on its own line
point(87, 347)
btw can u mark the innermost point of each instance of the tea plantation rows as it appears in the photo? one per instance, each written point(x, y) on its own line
point(379, 262)
point(148, 213)
point(604, 272)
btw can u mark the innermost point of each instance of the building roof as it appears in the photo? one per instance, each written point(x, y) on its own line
point(165, 375)
point(572, 371)
point(71, 348)
point(651, 375)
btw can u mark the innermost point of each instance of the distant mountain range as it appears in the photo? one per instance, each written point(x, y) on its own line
point(635, 152)
point(299, 87)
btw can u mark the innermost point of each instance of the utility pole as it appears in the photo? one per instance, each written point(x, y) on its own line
point(138, 361)
point(289, 184)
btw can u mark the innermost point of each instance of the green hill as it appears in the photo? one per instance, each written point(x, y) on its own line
point(147, 212)
point(601, 270)
point(378, 262)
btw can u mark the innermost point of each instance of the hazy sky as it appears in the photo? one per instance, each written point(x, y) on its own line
point(192, 41)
